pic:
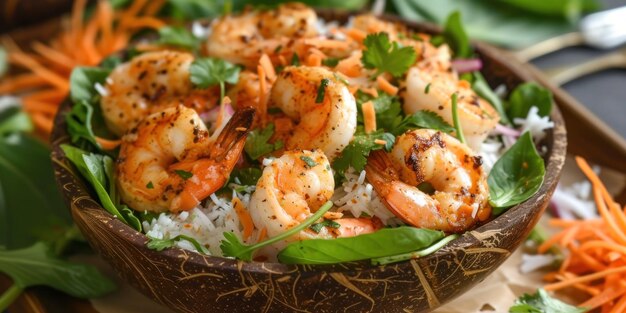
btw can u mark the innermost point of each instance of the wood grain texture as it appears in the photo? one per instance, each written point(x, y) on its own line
point(190, 282)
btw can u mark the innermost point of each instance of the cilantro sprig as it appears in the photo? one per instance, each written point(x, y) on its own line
point(207, 72)
point(356, 153)
point(541, 302)
point(257, 142)
point(386, 56)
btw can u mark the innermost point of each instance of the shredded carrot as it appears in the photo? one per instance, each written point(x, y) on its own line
point(24, 81)
point(108, 144)
point(596, 263)
point(356, 34)
point(244, 218)
point(262, 234)
point(313, 60)
point(268, 67)
point(369, 116)
point(327, 43)
point(386, 86)
point(370, 91)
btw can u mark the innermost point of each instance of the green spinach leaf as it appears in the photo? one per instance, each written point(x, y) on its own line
point(455, 36)
point(385, 242)
point(526, 96)
point(516, 176)
point(35, 265)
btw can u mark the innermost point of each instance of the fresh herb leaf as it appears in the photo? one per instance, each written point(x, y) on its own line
point(257, 142)
point(161, 244)
point(516, 176)
point(79, 124)
point(247, 176)
point(150, 185)
point(29, 198)
point(317, 227)
point(385, 242)
point(232, 247)
point(93, 167)
point(331, 62)
point(456, 37)
point(183, 174)
point(309, 162)
point(179, 37)
point(295, 60)
point(4, 64)
point(207, 72)
point(388, 109)
point(455, 118)
point(421, 119)
point(274, 110)
point(111, 62)
point(385, 56)
point(526, 96)
point(481, 87)
point(14, 120)
point(321, 90)
point(83, 81)
point(36, 265)
point(427, 89)
point(541, 302)
point(356, 153)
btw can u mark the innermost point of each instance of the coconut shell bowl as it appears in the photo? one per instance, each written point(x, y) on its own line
point(190, 282)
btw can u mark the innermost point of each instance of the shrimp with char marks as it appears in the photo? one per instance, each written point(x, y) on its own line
point(170, 163)
point(461, 195)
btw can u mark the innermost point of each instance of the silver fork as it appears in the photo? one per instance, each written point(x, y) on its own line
point(602, 30)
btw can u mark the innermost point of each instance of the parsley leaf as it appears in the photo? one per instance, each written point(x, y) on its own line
point(385, 56)
point(247, 176)
point(257, 143)
point(183, 174)
point(178, 37)
point(421, 119)
point(356, 153)
point(326, 223)
point(207, 72)
point(541, 302)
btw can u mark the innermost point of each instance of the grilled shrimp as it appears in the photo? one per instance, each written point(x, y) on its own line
point(430, 85)
point(328, 125)
point(422, 156)
point(291, 189)
point(170, 163)
point(150, 83)
point(242, 39)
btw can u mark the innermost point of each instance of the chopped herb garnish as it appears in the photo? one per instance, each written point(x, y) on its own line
point(356, 153)
point(150, 185)
point(280, 47)
point(161, 244)
point(385, 56)
point(341, 79)
point(427, 89)
point(326, 223)
point(274, 110)
point(295, 60)
point(321, 90)
point(183, 174)
point(309, 162)
point(257, 143)
point(331, 62)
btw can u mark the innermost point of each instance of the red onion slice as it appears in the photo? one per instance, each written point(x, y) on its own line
point(467, 65)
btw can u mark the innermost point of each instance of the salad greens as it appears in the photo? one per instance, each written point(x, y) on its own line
point(455, 36)
point(161, 244)
point(385, 242)
point(516, 176)
point(179, 37)
point(416, 254)
point(541, 302)
point(83, 81)
point(481, 87)
point(207, 72)
point(232, 247)
point(526, 96)
point(420, 119)
point(385, 56)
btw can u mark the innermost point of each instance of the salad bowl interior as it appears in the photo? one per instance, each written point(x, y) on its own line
point(191, 282)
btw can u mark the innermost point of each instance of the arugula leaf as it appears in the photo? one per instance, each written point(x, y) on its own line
point(161, 244)
point(232, 247)
point(94, 168)
point(385, 56)
point(257, 142)
point(421, 119)
point(179, 37)
point(456, 37)
point(526, 96)
point(317, 227)
point(247, 176)
point(481, 87)
point(356, 153)
point(83, 81)
point(36, 266)
point(207, 72)
point(516, 176)
point(385, 242)
point(541, 302)
point(4, 64)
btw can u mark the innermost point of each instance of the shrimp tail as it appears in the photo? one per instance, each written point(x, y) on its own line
point(232, 138)
point(380, 168)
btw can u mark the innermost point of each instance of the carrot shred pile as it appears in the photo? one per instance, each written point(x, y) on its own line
point(596, 262)
point(80, 43)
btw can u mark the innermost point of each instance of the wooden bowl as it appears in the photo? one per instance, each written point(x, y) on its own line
point(190, 282)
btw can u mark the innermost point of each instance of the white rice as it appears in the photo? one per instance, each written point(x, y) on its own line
point(359, 198)
point(101, 90)
point(200, 31)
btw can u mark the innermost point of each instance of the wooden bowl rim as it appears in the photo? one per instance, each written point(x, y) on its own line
point(139, 240)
